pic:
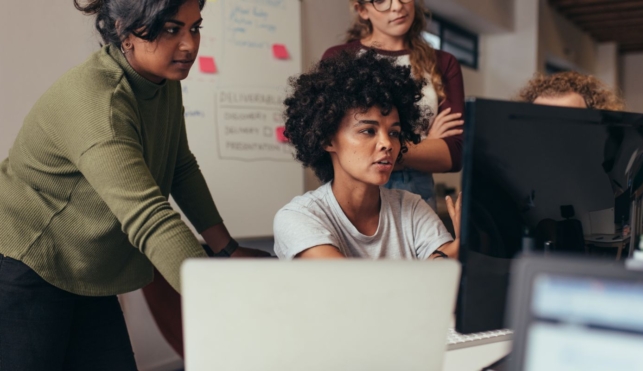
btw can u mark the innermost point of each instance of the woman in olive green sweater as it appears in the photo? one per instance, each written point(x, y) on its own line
point(84, 192)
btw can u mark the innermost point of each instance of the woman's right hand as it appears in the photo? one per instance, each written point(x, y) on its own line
point(444, 125)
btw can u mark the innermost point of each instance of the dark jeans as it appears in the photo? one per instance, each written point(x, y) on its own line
point(45, 328)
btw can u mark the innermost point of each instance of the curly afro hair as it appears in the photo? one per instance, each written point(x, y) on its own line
point(322, 97)
point(593, 91)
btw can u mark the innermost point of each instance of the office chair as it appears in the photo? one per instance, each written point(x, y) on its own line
point(569, 232)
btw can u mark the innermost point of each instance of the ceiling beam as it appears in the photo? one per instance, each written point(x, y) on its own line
point(604, 17)
point(602, 7)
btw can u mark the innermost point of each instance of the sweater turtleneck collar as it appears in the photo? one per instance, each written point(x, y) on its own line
point(143, 88)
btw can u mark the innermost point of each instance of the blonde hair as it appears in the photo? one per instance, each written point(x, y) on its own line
point(423, 57)
point(593, 91)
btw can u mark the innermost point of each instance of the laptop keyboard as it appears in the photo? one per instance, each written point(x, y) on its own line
point(456, 340)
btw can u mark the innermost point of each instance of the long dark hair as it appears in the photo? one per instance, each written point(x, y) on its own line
point(141, 18)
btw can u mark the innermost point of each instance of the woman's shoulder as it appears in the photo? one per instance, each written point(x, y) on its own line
point(446, 61)
point(313, 207)
point(311, 201)
point(350, 46)
point(399, 196)
point(93, 82)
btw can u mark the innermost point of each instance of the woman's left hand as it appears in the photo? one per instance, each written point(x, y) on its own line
point(455, 213)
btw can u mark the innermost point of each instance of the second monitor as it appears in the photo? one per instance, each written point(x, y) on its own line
point(539, 178)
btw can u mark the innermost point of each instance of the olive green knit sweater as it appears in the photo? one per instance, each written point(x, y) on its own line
point(84, 191)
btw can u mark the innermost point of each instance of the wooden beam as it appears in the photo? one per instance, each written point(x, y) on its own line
point(604, 17)
point(602, 8)
point(577, 4)
point(619, 38)
point(624, 24)
point(632, 49)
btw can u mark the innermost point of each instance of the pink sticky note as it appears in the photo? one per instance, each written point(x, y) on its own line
point(279, 131)
point(207, 65)
point(280, 51)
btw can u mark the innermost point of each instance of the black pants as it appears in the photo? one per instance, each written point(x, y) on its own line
point(46, 328)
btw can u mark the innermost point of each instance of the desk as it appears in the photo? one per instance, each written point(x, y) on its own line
point(608, 241)
point(475, 358)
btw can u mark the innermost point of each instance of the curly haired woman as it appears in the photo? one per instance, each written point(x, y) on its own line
point(350, 120)
point(571, 89)
point(394, 28)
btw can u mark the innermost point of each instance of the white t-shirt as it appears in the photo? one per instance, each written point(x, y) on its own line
point(408, 227)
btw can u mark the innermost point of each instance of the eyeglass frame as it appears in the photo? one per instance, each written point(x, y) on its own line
point(372, 2)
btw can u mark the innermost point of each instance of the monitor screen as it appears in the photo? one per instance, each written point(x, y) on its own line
point(584, 323)
point(535, 179)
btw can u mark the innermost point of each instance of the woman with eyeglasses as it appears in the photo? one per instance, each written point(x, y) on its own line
point(395, 28)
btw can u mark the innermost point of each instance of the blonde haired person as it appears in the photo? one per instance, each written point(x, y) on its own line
point(571, 89)
point(577, 90)
point(393, 28)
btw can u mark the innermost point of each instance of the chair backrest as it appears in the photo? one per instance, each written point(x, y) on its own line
point(569, 236)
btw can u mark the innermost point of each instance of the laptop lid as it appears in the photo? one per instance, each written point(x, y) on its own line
point(575, 314)
point(316, 315)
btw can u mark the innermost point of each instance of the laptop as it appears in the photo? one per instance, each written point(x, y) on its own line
point(316, 314)
point(575, 314)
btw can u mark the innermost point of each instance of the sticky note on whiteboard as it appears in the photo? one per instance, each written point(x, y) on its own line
point(279, 131)
point(280, 51)
point(207, 65)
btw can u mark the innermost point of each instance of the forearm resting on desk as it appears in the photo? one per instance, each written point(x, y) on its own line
point(321, 252)
point(450, 249)
point(217, 237)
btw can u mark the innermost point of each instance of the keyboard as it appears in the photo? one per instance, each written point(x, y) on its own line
point(456, 340)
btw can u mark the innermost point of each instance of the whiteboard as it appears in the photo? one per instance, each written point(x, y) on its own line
point(251, 177)
point(233, 101)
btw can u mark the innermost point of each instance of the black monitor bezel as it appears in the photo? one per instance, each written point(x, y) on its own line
point(479, 109)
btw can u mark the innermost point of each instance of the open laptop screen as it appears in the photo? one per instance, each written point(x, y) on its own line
point(584, 323)
point(573, 313)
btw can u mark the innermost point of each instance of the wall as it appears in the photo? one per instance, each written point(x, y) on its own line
point(607, 66)
point(563, 43)
point(481, 16)
point(323, 25)
point(632, 81)
point(69, 40)
point(510, 59)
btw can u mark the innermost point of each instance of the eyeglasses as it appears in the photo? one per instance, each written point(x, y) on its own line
point(382, 5)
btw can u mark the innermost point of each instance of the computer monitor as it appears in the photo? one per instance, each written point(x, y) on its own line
point(532, 174)
point(622, 204)
point(575, 314)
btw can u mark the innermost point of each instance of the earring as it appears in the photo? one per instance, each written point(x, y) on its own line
point(127, 46)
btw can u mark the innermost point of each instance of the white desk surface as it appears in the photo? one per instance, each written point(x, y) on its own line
point(475, 358)
point(605, 238)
